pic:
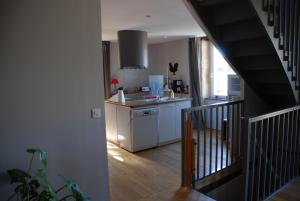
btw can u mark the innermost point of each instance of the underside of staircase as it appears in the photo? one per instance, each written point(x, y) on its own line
point(238, 30)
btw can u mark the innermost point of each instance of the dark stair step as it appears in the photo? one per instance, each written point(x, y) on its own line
point(280, 89)
point(259, 68)
point(231, 12)
point(251, 47)
point(275, 76)
point(257, 62)
point(241, 30)
point(279, 101)
point(209, 3)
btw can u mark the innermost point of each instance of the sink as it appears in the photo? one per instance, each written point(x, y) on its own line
point(147, 100)
point(155, 100)
point(166, 99)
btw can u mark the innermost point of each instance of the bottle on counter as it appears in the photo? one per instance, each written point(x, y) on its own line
point(172, 94)
point(121, 96)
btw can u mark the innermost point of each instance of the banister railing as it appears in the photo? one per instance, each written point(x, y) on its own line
point(211, 139)
point(272, 152)
point(284, 15)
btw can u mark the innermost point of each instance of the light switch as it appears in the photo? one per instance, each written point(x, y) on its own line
point(96, 113)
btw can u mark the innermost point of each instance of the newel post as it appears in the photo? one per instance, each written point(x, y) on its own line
point(188, 150)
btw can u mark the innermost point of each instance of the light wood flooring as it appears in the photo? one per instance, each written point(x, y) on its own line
point(151, 175)
point(290, 193)
point(154, 175)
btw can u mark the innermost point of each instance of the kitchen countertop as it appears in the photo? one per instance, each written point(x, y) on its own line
point(145, 103)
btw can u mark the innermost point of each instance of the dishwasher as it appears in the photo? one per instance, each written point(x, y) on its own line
point(144, 125)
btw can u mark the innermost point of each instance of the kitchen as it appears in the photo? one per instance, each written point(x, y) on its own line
point(150, 113)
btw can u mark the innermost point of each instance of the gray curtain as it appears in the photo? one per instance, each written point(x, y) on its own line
point(195, 66)
point(195, 77)
point(106, 68)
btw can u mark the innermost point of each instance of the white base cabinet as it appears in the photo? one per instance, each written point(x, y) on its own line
point(134, 129)
point(111, 122)
point(166, 123)
point(169, 121)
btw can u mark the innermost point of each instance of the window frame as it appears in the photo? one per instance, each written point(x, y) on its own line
point(212, 73)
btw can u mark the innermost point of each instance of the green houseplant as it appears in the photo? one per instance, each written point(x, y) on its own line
point(33, 185)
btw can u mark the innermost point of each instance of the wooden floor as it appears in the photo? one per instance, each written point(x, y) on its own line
point(154, 175)
point(151, 175)
point(290, 193)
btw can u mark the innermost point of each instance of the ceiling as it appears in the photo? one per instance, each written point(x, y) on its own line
point(164, 20)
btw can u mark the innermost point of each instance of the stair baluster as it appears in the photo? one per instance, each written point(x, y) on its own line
point(284, 16)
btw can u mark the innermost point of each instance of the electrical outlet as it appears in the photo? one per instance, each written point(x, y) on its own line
point(96, 113)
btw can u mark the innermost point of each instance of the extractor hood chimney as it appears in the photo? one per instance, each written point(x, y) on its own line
point(133, 49)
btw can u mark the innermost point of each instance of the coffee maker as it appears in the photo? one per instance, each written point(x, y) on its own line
point(177, 86)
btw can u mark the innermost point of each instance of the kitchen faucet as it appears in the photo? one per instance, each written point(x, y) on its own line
point(158, 92)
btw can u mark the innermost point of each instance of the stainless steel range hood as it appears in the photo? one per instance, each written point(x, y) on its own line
point(133, 49)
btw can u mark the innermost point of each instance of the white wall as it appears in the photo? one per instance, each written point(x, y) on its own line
point(159, 57)
point(164, 53)
point(50, 78)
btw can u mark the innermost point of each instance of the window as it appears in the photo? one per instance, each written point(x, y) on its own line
point(221, 70)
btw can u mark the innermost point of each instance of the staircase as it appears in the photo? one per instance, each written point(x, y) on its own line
point(256, 43)
point(260, 40)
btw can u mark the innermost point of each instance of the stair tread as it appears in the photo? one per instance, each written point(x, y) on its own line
point(208, 3)
point(220, 14)
point(262, 62)
point(236, 31)
point(260, 68)
point(249, 47)
point(273, 88)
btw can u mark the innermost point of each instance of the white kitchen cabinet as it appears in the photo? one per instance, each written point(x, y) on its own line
point(124, 127)
point(179, 107)
point(111, 122)
point(166, 123)
point(135, 129)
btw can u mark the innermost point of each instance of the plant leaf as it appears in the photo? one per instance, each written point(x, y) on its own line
point(34, 184)
point(18, 176)
point(45, 196)
point(77, 194)
point(69, 183)
point(41, 174)
point(32, 151)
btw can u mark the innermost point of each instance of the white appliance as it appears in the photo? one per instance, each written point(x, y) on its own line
point(144, 124)
point(156, 83)
point(234, 87)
